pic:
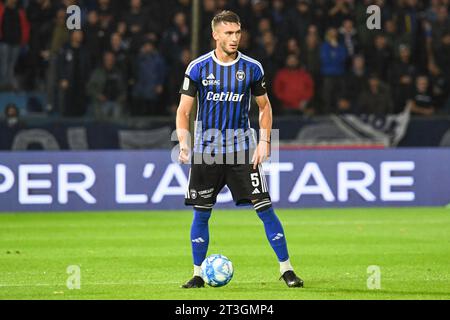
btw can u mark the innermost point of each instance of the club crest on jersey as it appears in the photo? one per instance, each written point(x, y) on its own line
point(210, 81)
point(194, 194)
point(240, 75)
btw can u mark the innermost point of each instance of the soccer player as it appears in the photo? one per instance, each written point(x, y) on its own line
point(224, 152)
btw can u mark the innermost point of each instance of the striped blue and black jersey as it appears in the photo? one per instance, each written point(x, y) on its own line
point(224, 92)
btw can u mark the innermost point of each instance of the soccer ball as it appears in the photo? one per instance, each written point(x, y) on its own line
point(217, 270)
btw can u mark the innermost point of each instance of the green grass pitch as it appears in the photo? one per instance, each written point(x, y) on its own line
point(146, 255)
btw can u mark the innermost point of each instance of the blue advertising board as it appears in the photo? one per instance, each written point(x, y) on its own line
point(149, 180)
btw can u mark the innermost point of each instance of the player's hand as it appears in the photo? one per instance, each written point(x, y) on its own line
point(185, 153)
point(261, 154)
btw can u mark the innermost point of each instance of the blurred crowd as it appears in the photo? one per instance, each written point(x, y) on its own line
point(319, 56)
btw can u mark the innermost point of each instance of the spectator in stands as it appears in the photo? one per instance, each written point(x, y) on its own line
point(311, 61)
point(333, 59)
point(73, 73)
point(176, 77)
point(244, 9)
point(107, 89)
point(402, 75)
point(393, 37)
point(432, 12)
point(119, 48)
point(311, 52)
point(441, 72)
point(14, 33)
point(136, 21)
point(260, 9)
point(376, 98)
point(439, 68)
point(408, 17)
point(280, 19)
point(441, 55)
point(422, 102)
point(300, 19)
point(150, 74)
point(105, 12)
point(223, 5)
point(40, 14)
point(122, 29)
point(171, 8)
point(293, 86)
point(355, 83)
point(349, 37)
point(93, 38)
point(263, 26)
point(271, 31)
point(175, 38)
point(339, 11)
point(59, 37)
point(293, 47)
point(441, 25)
point(365, 35)
point(269, 57)
point(245, 45)
point(60, 34)
point(12, 116)
point(379, 56)
point(209, 10)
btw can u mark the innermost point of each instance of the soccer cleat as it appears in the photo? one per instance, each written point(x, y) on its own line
point(292, 280)
point(195, 282)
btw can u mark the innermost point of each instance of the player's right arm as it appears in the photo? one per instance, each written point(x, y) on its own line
point(188, 93)
point(182, 122)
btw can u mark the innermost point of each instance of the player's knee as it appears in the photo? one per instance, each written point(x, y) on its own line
point(262, 205)
point(201, 218)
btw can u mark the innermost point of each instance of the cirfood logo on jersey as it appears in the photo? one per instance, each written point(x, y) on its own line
point(240, 75)
point(210, 81)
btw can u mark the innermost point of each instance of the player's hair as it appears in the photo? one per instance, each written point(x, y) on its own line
point(225, 16)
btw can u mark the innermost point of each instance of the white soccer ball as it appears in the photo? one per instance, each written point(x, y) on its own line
point(217, 270)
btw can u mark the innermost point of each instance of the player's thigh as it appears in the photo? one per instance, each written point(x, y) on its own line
point(246, 183)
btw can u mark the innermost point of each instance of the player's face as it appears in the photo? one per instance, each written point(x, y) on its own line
point(228, 36)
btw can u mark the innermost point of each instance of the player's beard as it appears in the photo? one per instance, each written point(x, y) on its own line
point(228, 52)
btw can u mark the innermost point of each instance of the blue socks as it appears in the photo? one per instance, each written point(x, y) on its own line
point(275, 233)
point(200, 236)
point(272, 225)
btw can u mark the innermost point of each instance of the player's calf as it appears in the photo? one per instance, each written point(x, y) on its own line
point(277, 239)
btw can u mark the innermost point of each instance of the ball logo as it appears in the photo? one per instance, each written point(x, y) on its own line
point(240, 75)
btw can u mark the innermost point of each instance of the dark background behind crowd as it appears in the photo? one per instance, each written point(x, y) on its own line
point(319, 56)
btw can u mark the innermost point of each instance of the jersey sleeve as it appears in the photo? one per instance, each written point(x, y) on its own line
point(259, 82)
point(191, 80)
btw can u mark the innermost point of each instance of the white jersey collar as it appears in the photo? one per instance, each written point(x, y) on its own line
point(225, 64)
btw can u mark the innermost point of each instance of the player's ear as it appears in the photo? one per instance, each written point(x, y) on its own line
point(215, 35)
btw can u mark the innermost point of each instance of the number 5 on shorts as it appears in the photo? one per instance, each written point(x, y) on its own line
point(255, 179)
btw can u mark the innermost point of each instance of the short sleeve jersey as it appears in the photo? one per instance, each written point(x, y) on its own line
point(224, 92)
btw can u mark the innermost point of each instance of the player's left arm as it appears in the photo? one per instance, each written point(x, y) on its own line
point(265, 128)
